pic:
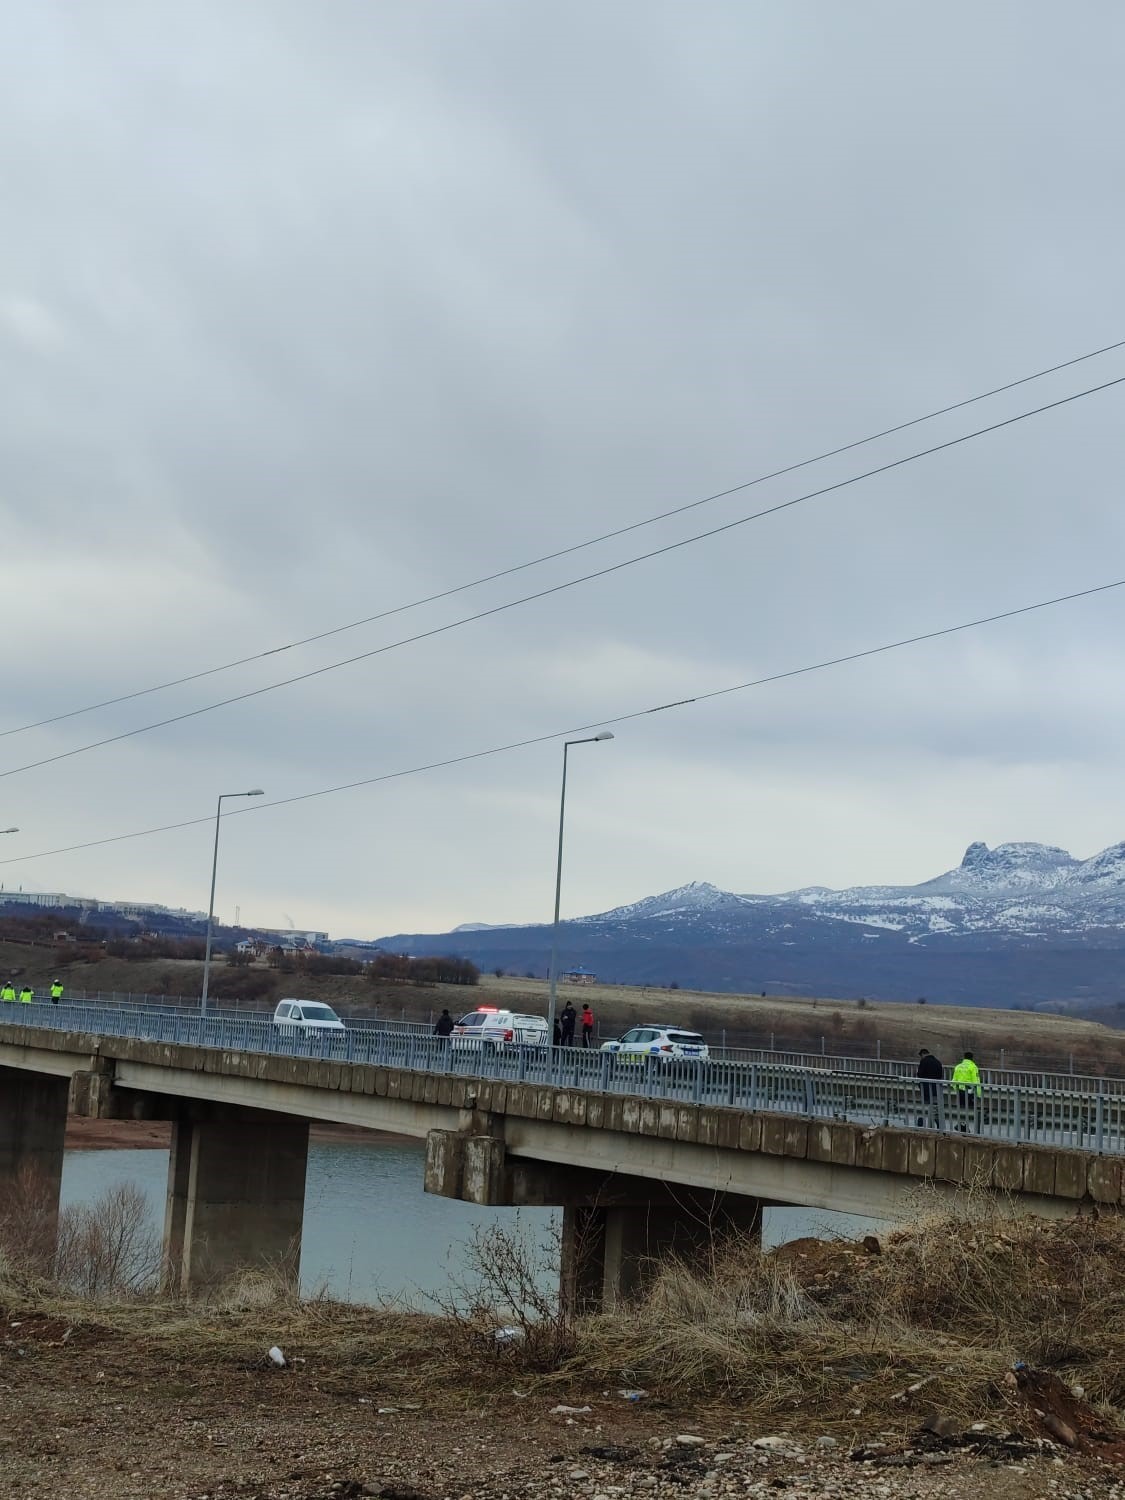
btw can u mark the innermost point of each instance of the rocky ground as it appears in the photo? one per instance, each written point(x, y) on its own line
point(94, 1411)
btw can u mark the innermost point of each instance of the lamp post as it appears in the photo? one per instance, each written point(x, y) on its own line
point(211, 907)
point(593, 739)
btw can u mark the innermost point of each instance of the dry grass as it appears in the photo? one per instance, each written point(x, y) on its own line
point(954, 1303)
point(814, 1332)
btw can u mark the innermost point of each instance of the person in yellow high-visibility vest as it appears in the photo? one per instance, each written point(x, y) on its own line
point(56, 991)
point(966, 1080)
point(27, 995)
point(8, 992)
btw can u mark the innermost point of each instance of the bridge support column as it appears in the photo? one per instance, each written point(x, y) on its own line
point(609, 1254)
point(236, 1198)
point(32, 1132)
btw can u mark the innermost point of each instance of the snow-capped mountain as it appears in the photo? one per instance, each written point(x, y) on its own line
point(1018, 923)
point(1014, 888)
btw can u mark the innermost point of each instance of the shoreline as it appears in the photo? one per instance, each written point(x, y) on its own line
point(156, 1135)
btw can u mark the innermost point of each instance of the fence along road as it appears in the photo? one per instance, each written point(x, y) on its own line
point(1040, 1113)
point(815, 1062)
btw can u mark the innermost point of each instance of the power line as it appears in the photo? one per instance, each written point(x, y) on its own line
point(558, 734)
point(558, 588)
point(546, 557)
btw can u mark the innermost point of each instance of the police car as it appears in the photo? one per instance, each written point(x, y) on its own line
point(499, 1027)
point(667, 1043)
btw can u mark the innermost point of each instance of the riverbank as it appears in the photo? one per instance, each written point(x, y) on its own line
point(969, 1353)
point(103, 1415)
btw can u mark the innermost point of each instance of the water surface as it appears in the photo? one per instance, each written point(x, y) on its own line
point(370, 1232)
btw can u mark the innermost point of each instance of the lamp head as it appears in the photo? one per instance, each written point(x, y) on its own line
point(606, 734)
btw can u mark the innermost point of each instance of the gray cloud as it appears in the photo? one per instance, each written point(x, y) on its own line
point(306, 312)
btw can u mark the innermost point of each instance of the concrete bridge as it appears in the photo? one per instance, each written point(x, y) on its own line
point(642, 1159)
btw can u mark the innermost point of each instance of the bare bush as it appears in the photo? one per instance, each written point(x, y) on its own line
point(108, 1248)
point(28, 1224)
point(505, 1304)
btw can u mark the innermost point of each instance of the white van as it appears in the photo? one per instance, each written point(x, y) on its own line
point(306, 1017)
point(500, 1027)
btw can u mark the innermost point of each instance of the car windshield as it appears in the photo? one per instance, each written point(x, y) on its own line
point(476, 1018)
point(319, 1013)
point(690, 1038)
point(636, 1035)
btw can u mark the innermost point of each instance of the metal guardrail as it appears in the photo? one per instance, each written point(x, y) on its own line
point(1002, 1112)
point(833, 1062)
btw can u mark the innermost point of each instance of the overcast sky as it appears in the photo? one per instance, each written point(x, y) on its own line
point(309, 311)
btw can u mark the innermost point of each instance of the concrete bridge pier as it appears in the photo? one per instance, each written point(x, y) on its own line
point(617, 1227)
point(611, 1253)
point(33, 1108)
point(236, 1198)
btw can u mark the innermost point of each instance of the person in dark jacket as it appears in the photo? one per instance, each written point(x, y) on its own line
point(444, 1025)
point(930, 1071)
point(567, 1022)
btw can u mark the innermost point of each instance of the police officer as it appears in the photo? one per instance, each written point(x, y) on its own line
point(27, 995)
point(56, 991)
point(8, 992)
point(966, 1080)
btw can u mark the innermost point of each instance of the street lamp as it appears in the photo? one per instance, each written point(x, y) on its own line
point(606, 734)
point(211, 908)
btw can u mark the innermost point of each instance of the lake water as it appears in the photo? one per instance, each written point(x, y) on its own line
point(370, 1232)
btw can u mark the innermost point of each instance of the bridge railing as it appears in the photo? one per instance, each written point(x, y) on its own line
point(887, 1067)
point(1050, 1116)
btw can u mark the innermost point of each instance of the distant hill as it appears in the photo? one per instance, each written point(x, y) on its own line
point(1021, 924)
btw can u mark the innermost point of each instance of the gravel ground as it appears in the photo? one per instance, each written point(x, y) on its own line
point(90, 1412)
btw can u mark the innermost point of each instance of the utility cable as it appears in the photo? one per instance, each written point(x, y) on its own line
point(558, 588)
point(558, 734)
point(546, 557)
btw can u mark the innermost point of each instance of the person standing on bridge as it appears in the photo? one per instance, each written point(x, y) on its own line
point(27, 995)
point(8, 992)
point(929, 1071)
point(587, 1026)
point(56, 991)
point(444, 1025)
point(567, 1022)
point(966, 1080)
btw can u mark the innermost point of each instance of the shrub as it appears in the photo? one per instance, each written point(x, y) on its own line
point(108, 1248)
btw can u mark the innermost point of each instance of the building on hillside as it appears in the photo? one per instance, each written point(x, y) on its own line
point(49, 899)
point(579, 975)
point(288, 937)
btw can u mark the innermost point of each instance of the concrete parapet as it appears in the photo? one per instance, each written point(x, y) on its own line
point(1104, 1180)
